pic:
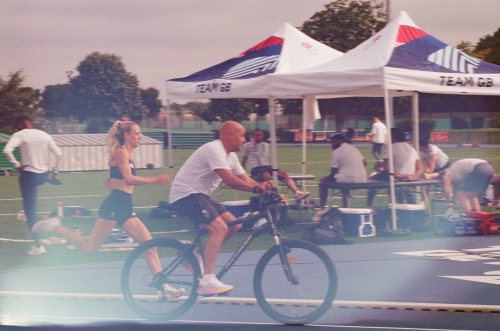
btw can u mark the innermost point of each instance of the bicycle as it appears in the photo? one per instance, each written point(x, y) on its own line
point(294, 282)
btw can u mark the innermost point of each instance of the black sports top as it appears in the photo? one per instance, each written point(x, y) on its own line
point(114, 171)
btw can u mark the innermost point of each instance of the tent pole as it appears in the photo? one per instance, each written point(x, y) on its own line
point(272, 129)
point(304, 132)
point(169, 135)
point(415, 120)
point(388, 119)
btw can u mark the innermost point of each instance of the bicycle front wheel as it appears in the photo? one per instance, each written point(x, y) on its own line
point(307, 295)
point(143, 292)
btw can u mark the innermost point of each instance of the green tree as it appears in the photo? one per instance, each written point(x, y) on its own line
point(493, 55)
point(466, 47)
point(488, 48)
point(221, 110)
point(57, 100)
point(195, 107)
point(17, 100)
point(105, 89)
point(150, 100)
point(344, 24)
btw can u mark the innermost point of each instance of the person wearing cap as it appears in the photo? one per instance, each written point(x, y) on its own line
point(347, 166)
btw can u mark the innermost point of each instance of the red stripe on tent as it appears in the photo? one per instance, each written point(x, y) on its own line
point(408, 33)
point(271, 41)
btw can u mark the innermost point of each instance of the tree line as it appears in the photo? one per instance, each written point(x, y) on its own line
point(104, 89)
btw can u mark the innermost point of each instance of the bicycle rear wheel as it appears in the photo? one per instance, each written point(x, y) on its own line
point(310, 297)
point(140, 291)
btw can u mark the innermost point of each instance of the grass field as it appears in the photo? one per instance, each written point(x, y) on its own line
point(87, 189)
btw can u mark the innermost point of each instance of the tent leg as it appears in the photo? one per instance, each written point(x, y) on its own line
point(389, 121)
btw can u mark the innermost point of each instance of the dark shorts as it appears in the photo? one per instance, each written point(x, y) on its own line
point(447, 165)
point(199, 208)
point(118, 207)
point(478, 179)
point(330, 179)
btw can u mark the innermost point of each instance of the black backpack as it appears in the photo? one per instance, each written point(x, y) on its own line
point(329, 231)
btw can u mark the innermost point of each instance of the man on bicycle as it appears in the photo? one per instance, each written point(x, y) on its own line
point(197, 179)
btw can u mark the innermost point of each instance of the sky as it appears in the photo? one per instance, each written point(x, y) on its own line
point(163, 39)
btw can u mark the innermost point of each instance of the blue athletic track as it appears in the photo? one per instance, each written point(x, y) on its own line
point(438, 284)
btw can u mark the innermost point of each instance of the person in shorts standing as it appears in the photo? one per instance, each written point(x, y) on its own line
point(197, 179)
point(470, 179)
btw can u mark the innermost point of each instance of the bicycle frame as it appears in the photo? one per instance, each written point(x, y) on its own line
point(269, 226)
point(255, 234)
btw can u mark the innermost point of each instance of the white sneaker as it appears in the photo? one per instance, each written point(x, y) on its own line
point(210, 285)
point(21, 216)
point(170, 292)
point(299, 195)
point(37, 250)
point(47, 225)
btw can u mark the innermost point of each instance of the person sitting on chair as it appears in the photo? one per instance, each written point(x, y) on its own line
point(256, 153)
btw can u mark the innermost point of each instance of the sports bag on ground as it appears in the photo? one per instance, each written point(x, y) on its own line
point(329, 231)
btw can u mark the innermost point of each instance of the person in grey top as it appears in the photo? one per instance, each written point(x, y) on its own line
point(256, 153)
point(469, 178)
point(433, 159)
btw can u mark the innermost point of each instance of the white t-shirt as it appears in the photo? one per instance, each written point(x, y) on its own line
point(197, 174)
point(441, 157)
point(404, 157)
point(461, 168)
point(256, 153)
point(34, 145)
point(379, 132)
point(349, 161)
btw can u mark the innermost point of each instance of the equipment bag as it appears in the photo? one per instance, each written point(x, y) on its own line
point(329, 231)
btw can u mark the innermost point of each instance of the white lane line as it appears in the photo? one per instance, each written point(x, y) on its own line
point(57, 197)
point(48, 212)
point(377, 305)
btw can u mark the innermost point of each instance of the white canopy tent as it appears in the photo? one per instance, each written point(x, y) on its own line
point(399, 60)
point(247, 75)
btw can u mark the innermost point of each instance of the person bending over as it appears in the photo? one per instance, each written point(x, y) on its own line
point(256, 153)
point(117, 208)
point(470, 178)
point(197, 179)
